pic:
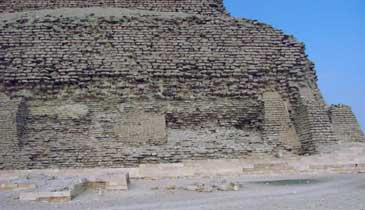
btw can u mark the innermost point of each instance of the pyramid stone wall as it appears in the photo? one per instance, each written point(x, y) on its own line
point(151, 55)
point(116, 87)
point(202, 7)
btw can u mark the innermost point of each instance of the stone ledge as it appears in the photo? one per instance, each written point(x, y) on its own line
point(109, 182)
point(57, 196)
point(70, 188)
point(6, 187)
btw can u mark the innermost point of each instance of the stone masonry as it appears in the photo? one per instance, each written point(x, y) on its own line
point(345, 125)
point(12, 129)
point(277, 123)
point(126, 82)
point(202, 7)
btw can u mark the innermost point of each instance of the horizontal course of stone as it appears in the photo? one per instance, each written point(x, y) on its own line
point(202, 7)
point(150, 55)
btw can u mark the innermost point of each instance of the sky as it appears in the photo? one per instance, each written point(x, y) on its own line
point(334, 34)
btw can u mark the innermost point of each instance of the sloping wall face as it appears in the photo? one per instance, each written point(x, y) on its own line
point(345, 124)
point(277, 126)
point(144, 88)
point(201, 7)
point(150, 56)
point(312, 122)
point(123, 90)
point(95, 90)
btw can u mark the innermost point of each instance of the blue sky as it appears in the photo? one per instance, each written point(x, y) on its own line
point(334, 34)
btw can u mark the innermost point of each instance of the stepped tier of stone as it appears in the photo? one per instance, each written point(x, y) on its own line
point(151, 55)
point(116, 87)
point(202, 7)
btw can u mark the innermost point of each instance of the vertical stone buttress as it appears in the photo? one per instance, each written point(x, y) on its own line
point(278, 128)
point(12, 126)
point(345, 125)
point(312, 122)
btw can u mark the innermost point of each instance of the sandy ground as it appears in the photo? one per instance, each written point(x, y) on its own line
point(325, 192)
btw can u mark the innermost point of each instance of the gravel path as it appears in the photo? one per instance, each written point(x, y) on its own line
point(333, 192)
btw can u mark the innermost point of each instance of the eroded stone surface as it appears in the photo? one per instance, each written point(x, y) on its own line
point(149, 82)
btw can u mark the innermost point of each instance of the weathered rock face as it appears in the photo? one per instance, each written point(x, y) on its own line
point(115, 87)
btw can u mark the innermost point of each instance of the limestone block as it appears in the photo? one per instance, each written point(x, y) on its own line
point(119, 181)
point(55, 195)
point(5, 187)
